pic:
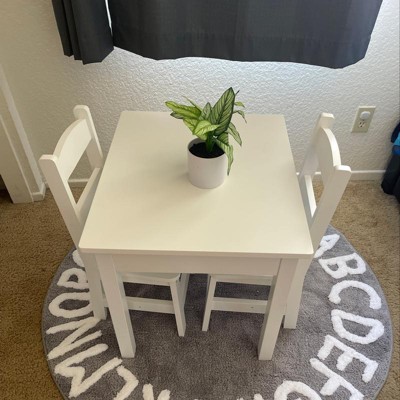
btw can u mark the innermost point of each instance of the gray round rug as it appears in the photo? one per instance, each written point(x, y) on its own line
point(341, 348)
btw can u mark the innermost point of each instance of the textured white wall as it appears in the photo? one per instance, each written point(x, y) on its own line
point(46, 85)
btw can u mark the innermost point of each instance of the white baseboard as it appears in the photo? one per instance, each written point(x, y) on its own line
point(73, 183)
point(77, 183)
point(375, 175)
point(367, 175)
point(38, 196)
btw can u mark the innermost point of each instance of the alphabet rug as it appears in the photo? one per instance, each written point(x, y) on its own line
point(341, 348)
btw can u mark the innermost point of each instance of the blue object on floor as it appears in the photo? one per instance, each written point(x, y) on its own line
point(391, 179)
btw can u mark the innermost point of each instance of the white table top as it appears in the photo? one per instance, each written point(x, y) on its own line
point(145, 204)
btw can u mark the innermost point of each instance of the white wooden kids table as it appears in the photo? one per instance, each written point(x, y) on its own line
point(147, 217)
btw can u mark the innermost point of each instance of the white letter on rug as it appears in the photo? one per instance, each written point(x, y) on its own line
point(376, 331)
point(69, 343)
point(288, 387)
point(334, 381)
point(130, 383)
point(78, 384)
point(347, 357)
point(81, 284)
point(375, 301)
point(343, 268)
point(148, 393)
point(54, 306)
point(326, 244)
point(77, 259)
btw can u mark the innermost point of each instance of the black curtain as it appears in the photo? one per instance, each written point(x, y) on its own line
point(330, 33)
point(84, 29)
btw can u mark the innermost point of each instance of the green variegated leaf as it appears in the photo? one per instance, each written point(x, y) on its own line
point(193, 103)
point(234, 133)
point(239, 104)
point(176, 115)
point(224, 138)
point(206, 111)
point(228, 150)
point(184, 111)
point(190, 123)
point(204, 127)
point(221, 113)
point(241, 113)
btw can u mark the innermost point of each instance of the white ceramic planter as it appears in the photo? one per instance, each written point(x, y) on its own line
point(206, 173)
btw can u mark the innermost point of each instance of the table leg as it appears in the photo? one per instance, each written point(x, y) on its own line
point(117, 305)
point(294, 298)
point(276, 307)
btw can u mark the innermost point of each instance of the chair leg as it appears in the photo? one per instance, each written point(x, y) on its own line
point(209, 302)
point(183, 285)
point(95, 287)
point(178, 301)
point(294, 298)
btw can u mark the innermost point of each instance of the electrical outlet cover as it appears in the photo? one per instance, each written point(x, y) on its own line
point(362, 125)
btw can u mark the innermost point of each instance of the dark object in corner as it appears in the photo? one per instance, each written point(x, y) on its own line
point(391, 179)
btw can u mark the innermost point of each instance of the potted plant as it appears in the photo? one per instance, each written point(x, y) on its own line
point(210, 155)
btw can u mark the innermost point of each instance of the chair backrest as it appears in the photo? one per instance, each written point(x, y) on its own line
point(323, 155)
point(78, 138)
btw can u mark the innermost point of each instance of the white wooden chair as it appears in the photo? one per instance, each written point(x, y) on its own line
point(323, 154)
point(78, 138)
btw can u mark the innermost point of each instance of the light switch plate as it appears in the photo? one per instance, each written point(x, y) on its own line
point(361, 125)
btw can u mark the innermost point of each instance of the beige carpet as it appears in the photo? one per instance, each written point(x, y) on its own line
point(34, 240)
